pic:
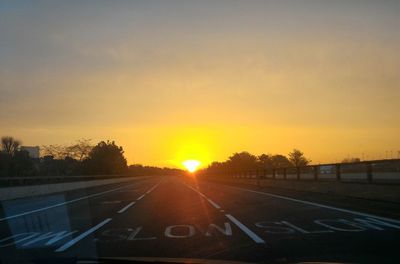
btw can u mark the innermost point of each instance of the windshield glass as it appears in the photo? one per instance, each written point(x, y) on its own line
point(199, 131)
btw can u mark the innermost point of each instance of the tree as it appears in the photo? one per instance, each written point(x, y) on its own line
point(9, 145)
point(265, 161)
point(297, 158)
point(55, 151)
point(106, 158)
point(280, 161)
point(216, 168)
point(242, 161)
point(78, 151)
point(140, 170)
point(23, 164)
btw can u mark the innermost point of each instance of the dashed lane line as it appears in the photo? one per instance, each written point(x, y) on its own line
point(126, 208)
point(143, 195)
point(155, 186)
point(213, 203)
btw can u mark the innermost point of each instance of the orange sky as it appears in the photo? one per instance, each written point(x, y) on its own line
point(201, 80)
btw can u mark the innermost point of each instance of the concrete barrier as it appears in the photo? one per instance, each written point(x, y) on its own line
point(9, 193)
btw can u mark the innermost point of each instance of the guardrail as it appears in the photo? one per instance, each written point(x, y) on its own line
point(375, 171)
point(20, 181)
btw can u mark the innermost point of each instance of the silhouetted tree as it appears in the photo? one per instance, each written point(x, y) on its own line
point(215, 168)
point(280, 161)
point(106, 158)
point(9, 145)
point(140, 170)
point(78, 151)
point(265, 161)
point(23, 165)
point(242, 161)
point(297, 158)
point(5, 164)
point(55, 151)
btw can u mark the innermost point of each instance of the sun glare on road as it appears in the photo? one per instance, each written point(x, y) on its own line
point(191, 165)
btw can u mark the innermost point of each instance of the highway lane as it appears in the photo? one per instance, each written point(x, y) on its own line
point(185, 218)
point(300, 229)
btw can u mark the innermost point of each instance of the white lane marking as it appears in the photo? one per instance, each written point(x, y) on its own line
point(321, 205)
point(196, 190)
point(244, 228)
point(59, 204)
point(213, 203)
point(82, 236)
point(151, 189)
point(143, 195)
point(208, 199)
point(126, 207)
point(155, 186)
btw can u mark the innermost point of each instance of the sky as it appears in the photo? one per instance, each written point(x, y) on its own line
point(176, 80)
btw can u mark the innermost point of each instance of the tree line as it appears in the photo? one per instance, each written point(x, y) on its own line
point(245, 161)
point(80, 158)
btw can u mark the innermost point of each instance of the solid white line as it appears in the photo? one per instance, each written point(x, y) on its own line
point(213, 203)
point(81, 236)
point(126, 207)
point(59, 204)
point(140, 197)
point(320, 205)
point(244, 228)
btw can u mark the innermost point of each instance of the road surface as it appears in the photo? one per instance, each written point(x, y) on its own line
point(181, 217)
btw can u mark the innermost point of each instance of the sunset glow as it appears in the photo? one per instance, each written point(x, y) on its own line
point(173, 81)
point(191, 165)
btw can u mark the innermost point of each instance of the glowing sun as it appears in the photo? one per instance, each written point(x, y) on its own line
point(191, 165)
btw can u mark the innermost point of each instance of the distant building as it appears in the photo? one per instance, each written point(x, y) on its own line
point(32, 150)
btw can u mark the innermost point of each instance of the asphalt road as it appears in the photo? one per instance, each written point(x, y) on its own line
point(180, 217)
